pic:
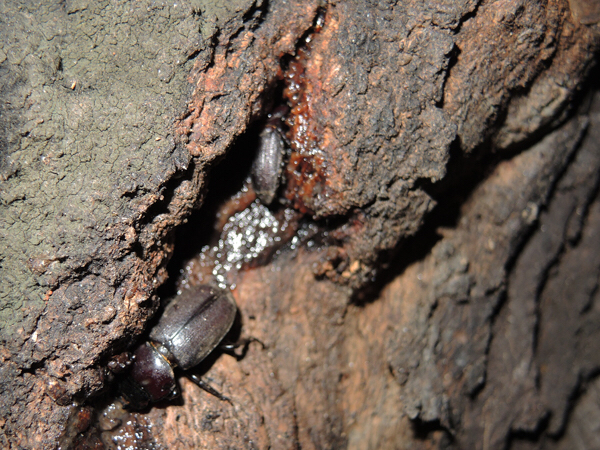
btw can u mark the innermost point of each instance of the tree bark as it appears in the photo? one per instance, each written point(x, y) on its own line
point(431, 265)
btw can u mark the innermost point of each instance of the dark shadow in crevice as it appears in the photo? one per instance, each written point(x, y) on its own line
point(531, 437)
point(225, 177)
point(465, 172)
point(424, 430)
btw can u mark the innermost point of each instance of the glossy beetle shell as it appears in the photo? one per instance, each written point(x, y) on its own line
point(153, 373)
point(194, 323)
point(268, 165)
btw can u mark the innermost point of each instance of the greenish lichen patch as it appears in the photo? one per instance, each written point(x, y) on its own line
point(90, 91)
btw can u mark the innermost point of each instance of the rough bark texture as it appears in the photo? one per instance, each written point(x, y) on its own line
point(439, 287)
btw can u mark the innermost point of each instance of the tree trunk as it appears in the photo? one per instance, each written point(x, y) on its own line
point(426, 277)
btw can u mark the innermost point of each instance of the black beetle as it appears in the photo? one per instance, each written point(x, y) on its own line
point(268, 164)
point(192, 325)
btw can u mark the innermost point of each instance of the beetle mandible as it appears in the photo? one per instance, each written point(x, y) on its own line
point(192, 325)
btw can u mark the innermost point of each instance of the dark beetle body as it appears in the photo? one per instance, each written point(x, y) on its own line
point(268, 164)
point(192, 325)
point(152, 375)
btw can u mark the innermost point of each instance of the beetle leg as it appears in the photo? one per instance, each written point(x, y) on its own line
point(207, 387)
point(243, 343)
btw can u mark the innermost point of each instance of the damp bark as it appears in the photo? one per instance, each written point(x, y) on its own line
point(423, 274)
